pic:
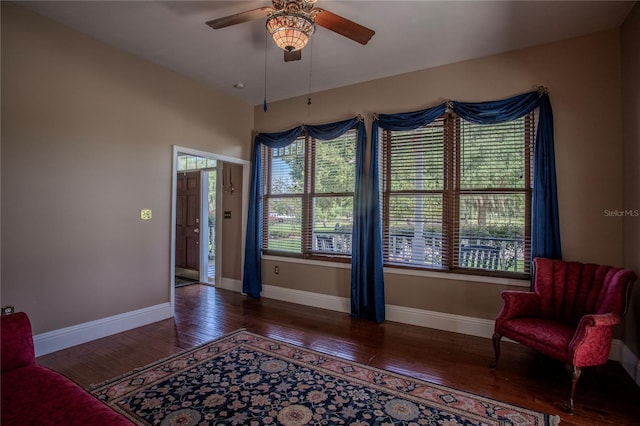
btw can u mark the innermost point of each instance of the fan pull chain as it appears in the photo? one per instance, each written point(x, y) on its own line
point(310, 75)
point(264, 103)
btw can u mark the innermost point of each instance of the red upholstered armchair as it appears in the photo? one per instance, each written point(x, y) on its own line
point(570, 314)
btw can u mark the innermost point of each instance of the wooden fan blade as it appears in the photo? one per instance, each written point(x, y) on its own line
point(296, 55)
point(343, 26)
point(239, 18)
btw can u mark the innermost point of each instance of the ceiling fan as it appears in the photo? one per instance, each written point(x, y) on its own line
point(291, 23)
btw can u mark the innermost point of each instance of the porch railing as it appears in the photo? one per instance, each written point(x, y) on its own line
point(427, 250)
point(212, 241)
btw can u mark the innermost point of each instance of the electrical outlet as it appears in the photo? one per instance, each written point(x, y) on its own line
point(276, 270)
point(8, 309)
point(227, 214)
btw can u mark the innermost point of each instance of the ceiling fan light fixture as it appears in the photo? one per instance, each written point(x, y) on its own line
point(290, 32)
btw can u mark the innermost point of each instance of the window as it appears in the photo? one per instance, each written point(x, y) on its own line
point(456, 196)
point(194, 162)
point(308, 191)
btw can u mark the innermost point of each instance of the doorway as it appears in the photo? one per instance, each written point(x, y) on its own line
point(196, 212)
point(223, 213)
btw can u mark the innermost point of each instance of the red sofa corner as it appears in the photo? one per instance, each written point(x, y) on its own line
point(35, 395)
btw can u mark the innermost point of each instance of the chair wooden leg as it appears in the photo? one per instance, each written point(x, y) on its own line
point(496, 349)
point(574, 372)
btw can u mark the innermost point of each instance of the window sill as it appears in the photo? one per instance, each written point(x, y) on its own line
point(516, 282)
point(327, 263)
point(413, 272)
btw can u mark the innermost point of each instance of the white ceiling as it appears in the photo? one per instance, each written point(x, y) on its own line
point(410, 35)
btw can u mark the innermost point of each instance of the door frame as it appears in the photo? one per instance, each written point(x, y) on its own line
point(246, 173)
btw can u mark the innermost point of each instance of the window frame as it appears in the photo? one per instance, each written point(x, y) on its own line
point(307, 197)
point(451, 199)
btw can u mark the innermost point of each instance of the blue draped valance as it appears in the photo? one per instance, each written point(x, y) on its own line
point(367, 280)
point(545, 235)
point(499, 111)
point(252, 277)
point(408, 120)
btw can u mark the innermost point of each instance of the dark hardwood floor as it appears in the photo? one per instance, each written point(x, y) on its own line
point(605, 395)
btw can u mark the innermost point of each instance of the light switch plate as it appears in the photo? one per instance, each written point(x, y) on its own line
point(145, 214)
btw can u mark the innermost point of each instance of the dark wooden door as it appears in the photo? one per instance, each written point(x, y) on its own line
point(188, 199)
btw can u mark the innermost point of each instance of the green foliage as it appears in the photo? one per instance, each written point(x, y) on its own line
point(492, 156)
point(283, 230)
point(286, 244)
point(212, 197)
point(334, 174)
point(503, 231)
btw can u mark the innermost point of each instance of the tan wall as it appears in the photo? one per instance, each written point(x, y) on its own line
point(230, 250)
point(583, 77)
point(87, 136)
point(631, 166)
point(87, 132)
point(316, 278)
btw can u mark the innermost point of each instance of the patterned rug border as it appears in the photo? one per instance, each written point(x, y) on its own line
point(94, 387)
point(393, 382)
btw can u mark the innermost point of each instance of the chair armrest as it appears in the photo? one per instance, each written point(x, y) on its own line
point(519, 304)
point(16, 341)
point(601, 320)
point(591, 343)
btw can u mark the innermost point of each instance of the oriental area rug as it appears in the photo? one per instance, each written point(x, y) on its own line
point(247, 379)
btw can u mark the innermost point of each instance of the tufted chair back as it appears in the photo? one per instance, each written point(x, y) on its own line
point(570, 290)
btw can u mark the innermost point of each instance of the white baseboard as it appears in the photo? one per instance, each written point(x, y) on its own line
point(307, 298)
point(229, 284)
point(630, 363)
point(70, 336)
point(615, 353)
point(442, 321)
point(438, 320)
point(63, 338)
point(431, 319)
point(472, 326)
